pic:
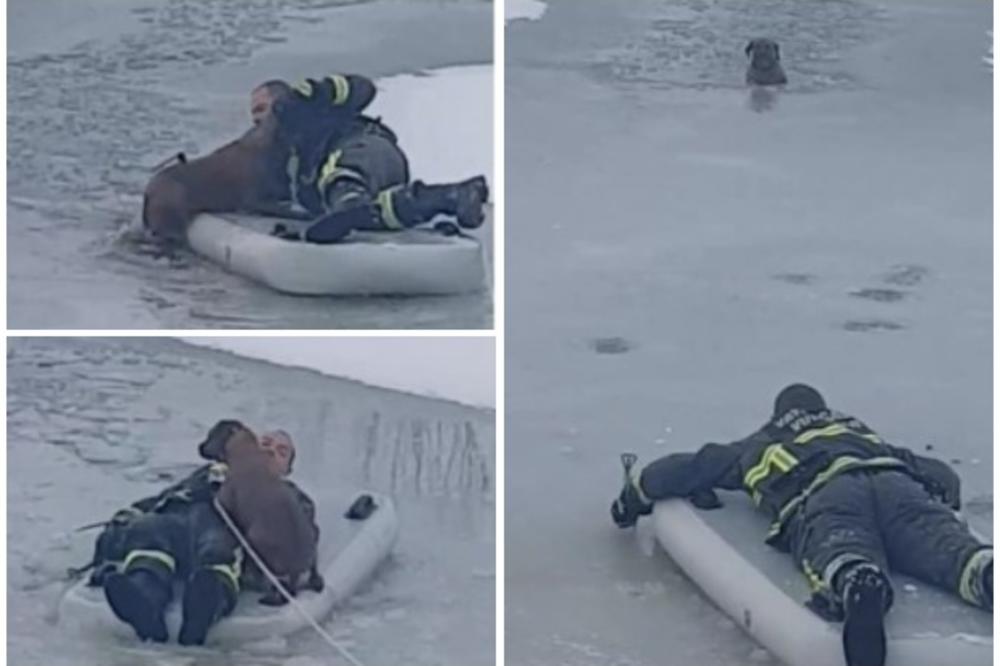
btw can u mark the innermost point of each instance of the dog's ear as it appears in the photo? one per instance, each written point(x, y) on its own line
point(749, 47)
point(214, 446)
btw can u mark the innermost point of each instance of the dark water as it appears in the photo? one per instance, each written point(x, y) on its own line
point(712, 247)
point(96, 423)
point(100, 92)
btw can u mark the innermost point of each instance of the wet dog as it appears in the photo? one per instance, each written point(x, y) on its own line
point(264, 508)
point(246, 174)
point(765, 63)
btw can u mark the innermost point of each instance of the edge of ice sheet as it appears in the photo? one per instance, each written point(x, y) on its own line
point(530, 10)
point(444, 120)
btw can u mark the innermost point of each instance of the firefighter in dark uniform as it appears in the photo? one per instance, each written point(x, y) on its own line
point(846, 504)
point(177, 535)
point(346, 169)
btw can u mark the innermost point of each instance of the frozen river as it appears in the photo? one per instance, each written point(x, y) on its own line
point(100, 92)
point(96, 424)
point(683, 249)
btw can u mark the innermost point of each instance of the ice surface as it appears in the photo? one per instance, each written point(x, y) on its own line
point(735, 244)
point(101, 92)
point(94, 424)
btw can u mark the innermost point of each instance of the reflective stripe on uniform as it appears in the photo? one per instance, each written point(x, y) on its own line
point(304, 87)
point(833, 431)
point(328, 171)
point(838, 466)
point(292, 170)
point(166, 559)
point(775, 455)
point(231, 572)
point(970, 583)
point(389, 217)
point(341, 89)
point(816, 582)
point(217, 472)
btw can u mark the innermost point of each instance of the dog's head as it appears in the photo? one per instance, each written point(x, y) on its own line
point(763, 53)
point(222, 437)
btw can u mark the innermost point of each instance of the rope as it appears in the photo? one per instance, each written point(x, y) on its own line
point(281, 588)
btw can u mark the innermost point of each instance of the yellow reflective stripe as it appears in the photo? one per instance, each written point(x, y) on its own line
point(164, 558)
point(341, 89)
point(815, 581)
point(304, 87)
point(784, 460)
point(969, 583)
point(838, 466)
point(328, 171)
point(828, 431)
point(832, 431)
point(759, 471)
point(389, 217)
point(231, 572)
point(775, 455)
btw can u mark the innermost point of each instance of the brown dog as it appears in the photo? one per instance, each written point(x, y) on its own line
point(265, 509)
point(246, 174)
point(765, 63)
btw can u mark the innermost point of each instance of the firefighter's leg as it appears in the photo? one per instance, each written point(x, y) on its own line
point(835, 539)
point(211, 590)
point(402, 204)
point(349, 184)
point(409, 205)
point(139, 593)
point(927, 540)
point(349, 205)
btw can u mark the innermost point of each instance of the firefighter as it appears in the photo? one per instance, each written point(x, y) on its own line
point(347, 170)
point(847, 505)
point(177, 535)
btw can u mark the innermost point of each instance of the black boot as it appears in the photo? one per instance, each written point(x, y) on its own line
point(464, 201)
point(207, 598)
point(140, 598)
point(865, 594)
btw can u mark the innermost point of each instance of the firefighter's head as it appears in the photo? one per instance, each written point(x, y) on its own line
point(798, 396)
point(264, 96)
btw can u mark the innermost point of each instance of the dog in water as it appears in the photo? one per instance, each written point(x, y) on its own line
point(246, 174)
point(265, 509)
point(765, 63)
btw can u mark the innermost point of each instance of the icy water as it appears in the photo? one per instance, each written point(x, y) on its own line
point(685, 247)
point(100, 92)
point(94, 424)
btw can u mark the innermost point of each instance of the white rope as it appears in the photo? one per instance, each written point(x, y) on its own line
point(281, 588)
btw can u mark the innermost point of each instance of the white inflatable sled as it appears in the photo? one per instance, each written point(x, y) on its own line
point(349, 552)
point(724, 553)
point(414, 262)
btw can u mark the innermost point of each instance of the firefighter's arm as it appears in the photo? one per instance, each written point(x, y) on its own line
point(153, 502)
point(694, 475)
point(939, 476)
point(343, 92)
point(199, 485)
